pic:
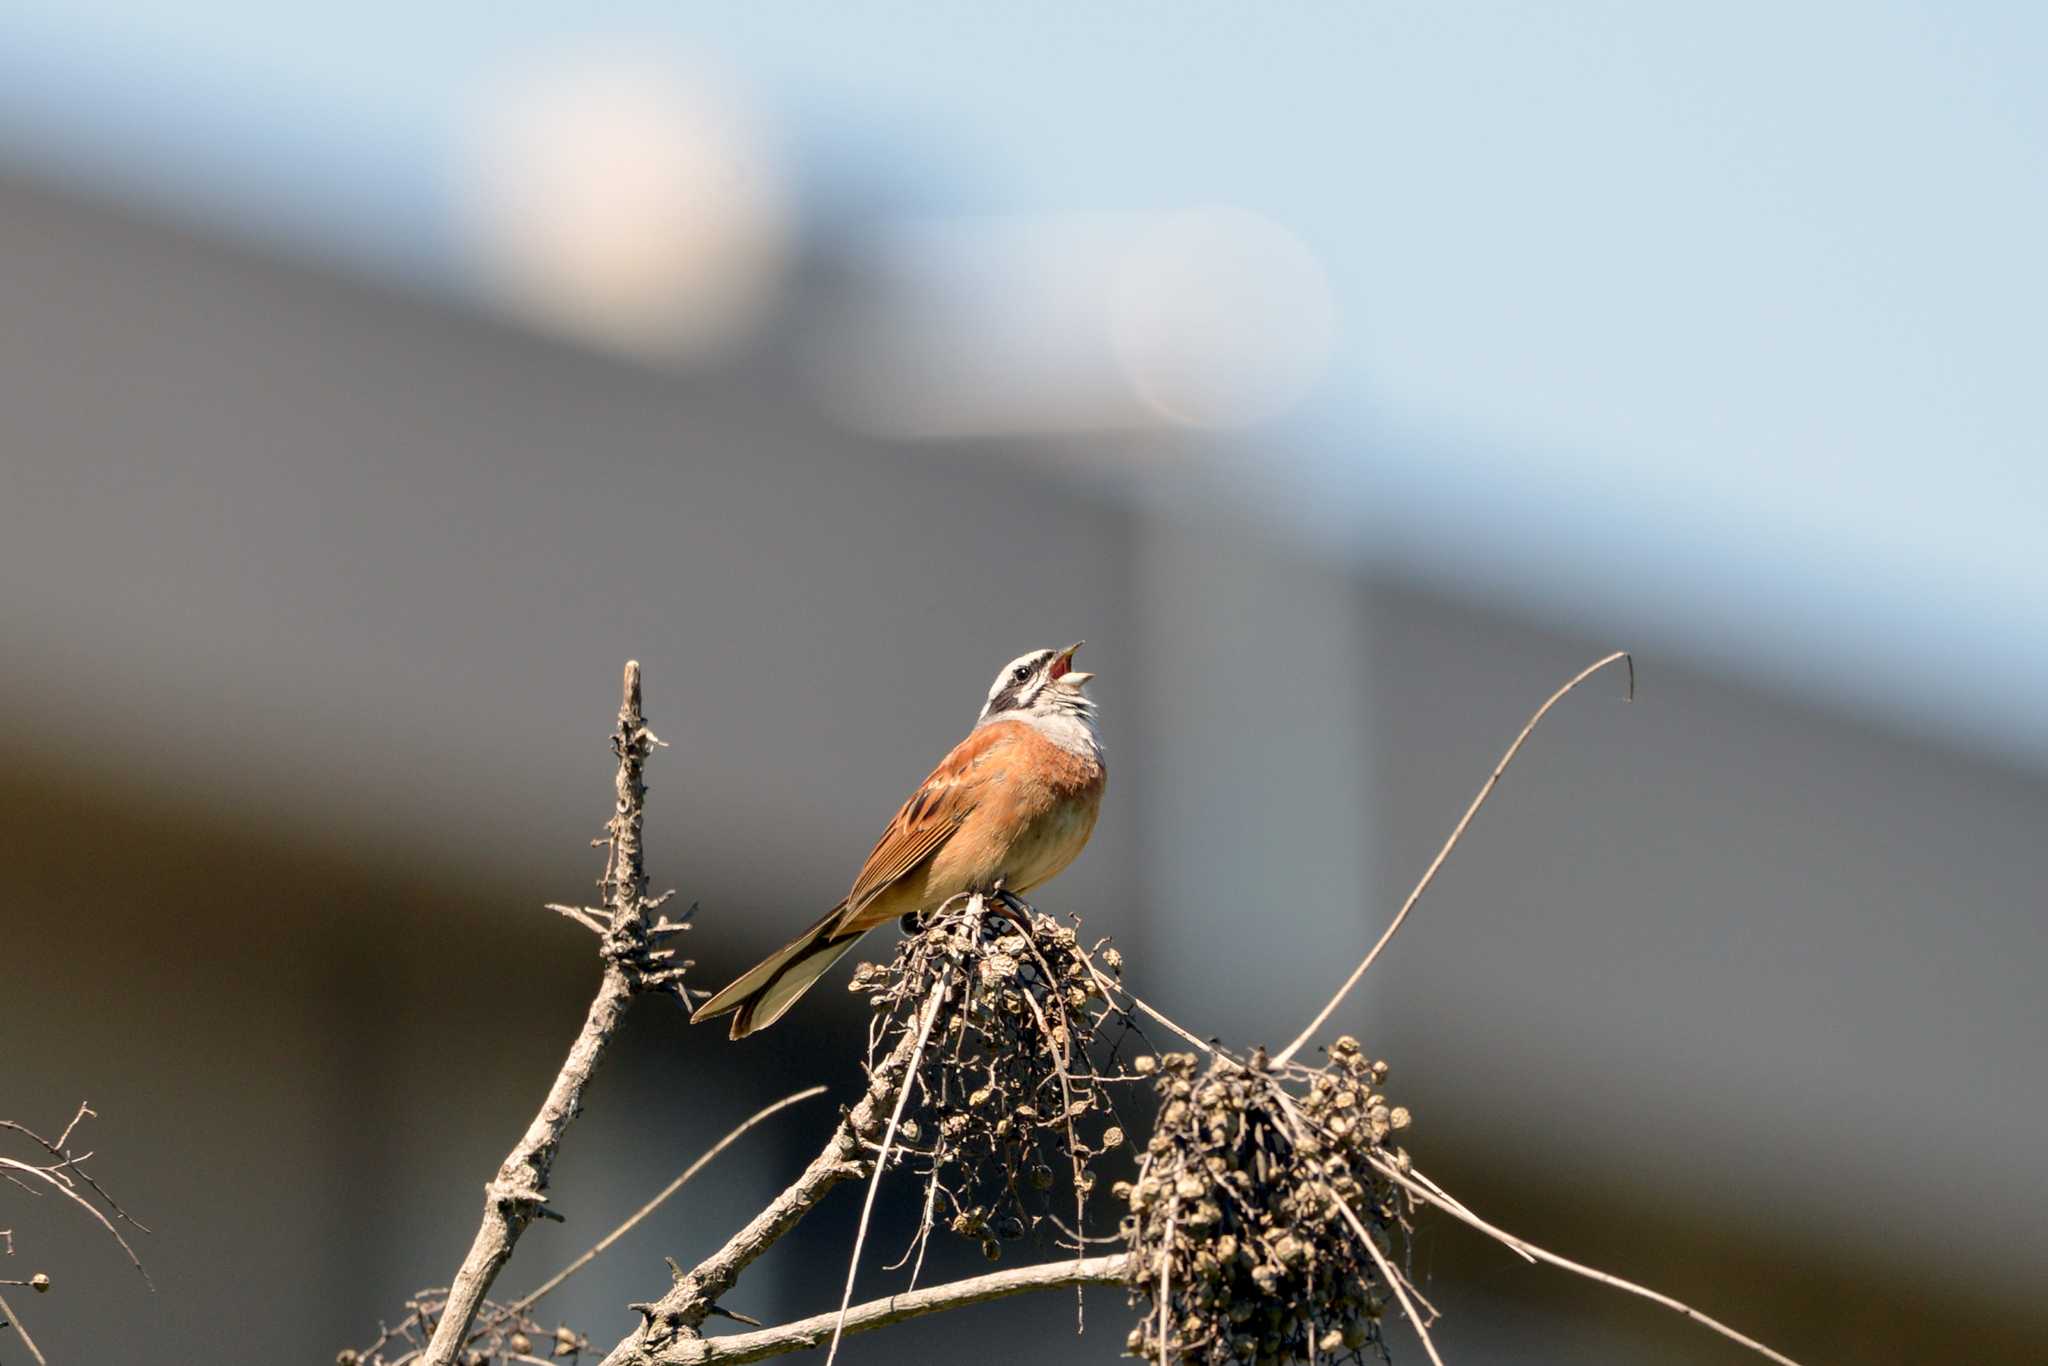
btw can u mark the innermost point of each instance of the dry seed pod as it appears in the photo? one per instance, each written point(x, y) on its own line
point(1273, 1271)
point(1005, 1127)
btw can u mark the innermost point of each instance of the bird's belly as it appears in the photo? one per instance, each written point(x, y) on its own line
point(1047, 845)
point(973, 861)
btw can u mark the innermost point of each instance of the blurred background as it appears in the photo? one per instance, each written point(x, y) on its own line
point(374, 381)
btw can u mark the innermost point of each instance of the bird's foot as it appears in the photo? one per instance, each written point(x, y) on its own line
point(1014, 909)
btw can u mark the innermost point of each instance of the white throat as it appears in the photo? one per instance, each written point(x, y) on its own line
point(1072, 729)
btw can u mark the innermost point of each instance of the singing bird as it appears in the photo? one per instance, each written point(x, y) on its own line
point(1008, 809)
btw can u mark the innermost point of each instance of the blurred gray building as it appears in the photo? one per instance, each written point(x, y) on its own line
point(316, 597)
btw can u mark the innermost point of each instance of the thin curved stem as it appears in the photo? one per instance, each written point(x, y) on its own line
point(11, 1319)
point(554, 1282)
point(815, 1331)
point(867, 1209)
point(1535, 1253)
point(1429, 876)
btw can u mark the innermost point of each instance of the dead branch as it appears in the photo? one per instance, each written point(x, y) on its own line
point(65, 1173)
point(518, 1194)
point(678, 1314)
point(1530, 1251)
point(8, 1319)
point(554, 1282)
point(881, 1163)
point(818, 1329)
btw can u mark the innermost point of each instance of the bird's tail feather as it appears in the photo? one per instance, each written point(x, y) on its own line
point(765, 991)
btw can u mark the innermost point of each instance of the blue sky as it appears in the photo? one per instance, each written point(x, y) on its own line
point(1723, 314)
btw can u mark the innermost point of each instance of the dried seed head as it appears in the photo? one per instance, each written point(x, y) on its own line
point(1007, 1112)
point(1255, 1173)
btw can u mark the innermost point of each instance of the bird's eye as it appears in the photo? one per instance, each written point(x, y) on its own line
point(1019, 674)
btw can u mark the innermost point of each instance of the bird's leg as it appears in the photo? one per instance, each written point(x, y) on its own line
point(1013, 908)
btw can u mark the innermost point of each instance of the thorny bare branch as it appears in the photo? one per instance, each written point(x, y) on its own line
point(501, 1328)
point(517, 1195)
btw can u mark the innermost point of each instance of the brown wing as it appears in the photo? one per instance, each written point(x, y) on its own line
point(930, 817)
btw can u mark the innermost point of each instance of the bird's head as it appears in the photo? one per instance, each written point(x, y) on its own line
point(1043, 683)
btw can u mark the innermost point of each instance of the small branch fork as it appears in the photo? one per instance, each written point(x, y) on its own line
point(517, 1195)
point(668, 1332)
point(65, 1174)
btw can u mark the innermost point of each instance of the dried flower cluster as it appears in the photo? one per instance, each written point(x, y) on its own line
point(1243, 1250)
point(1009, 1110)
point(503, 1335)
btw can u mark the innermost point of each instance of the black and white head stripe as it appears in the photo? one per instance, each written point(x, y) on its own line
point(1018, 685)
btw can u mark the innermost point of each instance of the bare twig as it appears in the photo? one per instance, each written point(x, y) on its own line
point(816, 1330)
point(1457, 833)
point(1534, 1252)
point(867, 1209)
point(582, 915)
point(554, 1282)
point(677, 1315)
point(10, 1319)
point(64, 1174)
point(517, 1195)
point(1166, 1289)
point(1450, 1202)
point(1394, 1279)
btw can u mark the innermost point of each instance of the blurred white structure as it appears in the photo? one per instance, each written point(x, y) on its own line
point(1072, 323)
point(631, 202)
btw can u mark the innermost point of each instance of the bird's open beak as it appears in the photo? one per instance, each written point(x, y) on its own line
point(1062, 671)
